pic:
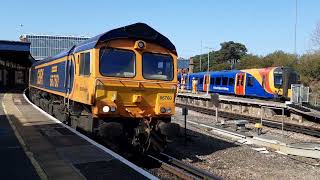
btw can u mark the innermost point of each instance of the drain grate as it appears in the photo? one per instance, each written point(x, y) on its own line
point(105, 170)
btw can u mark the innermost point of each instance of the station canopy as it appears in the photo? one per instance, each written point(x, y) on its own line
point(16, 52)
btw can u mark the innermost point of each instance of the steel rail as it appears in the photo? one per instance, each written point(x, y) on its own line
point(182, 169)
point(312, 131)
point(173, 170)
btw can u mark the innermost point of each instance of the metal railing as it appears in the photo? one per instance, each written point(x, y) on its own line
point(300, 94)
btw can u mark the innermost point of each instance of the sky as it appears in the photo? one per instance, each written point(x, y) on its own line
point(263, 26)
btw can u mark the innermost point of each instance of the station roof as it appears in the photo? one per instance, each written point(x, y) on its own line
point(16, 51)
point(14, 46)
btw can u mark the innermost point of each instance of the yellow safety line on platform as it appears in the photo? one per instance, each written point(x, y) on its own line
point(29, 154)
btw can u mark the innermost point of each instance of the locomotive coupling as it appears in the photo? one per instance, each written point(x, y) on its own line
point(168, 129)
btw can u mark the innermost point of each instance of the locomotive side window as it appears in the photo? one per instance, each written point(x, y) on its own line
point(85, 64)
point(117, 62)
point(250, 81)
point(231, 81)
point(224, 81)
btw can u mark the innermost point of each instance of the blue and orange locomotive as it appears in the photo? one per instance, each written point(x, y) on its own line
point(118, 85)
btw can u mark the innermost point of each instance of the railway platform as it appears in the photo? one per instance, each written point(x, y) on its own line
point(253, 106)
point(35, 145)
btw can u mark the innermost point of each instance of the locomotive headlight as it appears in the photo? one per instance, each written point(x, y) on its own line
point(140, 45)
point(163, 110)
point(169, 110)
point(106, 109)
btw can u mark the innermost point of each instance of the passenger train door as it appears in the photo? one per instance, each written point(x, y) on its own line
point(240, 83)
point(206, 82)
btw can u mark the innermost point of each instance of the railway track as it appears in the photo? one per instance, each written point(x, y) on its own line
point(308, 130)
point(181, 169)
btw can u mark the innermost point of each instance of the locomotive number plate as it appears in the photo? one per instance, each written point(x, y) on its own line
point(165, 97)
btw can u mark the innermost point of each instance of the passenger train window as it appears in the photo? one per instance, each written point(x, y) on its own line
point(231, 81)
point(250, 81)
point(85, 64)
point(263, 80)
point(212, 80)
point(218, 81)
point(224, 81)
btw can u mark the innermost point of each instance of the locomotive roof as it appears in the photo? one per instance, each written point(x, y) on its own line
point(137, 31)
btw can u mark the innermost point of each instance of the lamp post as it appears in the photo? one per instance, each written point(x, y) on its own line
point(295, 29)
point(208, 69)
point(200, 57)
point(210, 49)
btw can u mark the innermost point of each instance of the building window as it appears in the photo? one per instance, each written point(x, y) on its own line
point(85, 64)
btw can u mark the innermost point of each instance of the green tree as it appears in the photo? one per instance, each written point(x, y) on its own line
point(279, 58)
point(221, 59)
point(230, 51)
point(309, 68)
point(249, 61)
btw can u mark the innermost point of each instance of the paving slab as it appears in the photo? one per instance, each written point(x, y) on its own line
point(13, 159)
point(58, 152)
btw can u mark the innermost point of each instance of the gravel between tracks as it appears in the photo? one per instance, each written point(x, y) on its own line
point(288, 137)
point(231, 160)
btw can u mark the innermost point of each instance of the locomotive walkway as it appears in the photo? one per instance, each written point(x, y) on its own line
point(36, 146)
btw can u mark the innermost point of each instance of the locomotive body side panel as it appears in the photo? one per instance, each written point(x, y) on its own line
point(84, 77)
point(50, 77)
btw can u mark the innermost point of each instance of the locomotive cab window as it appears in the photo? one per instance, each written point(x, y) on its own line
point(157, 66)
point(85, 64)
point(117, 62)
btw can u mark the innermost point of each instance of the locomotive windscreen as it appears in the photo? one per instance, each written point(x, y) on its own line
point(157, 66)
point(278, 79)
point(117, 63)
